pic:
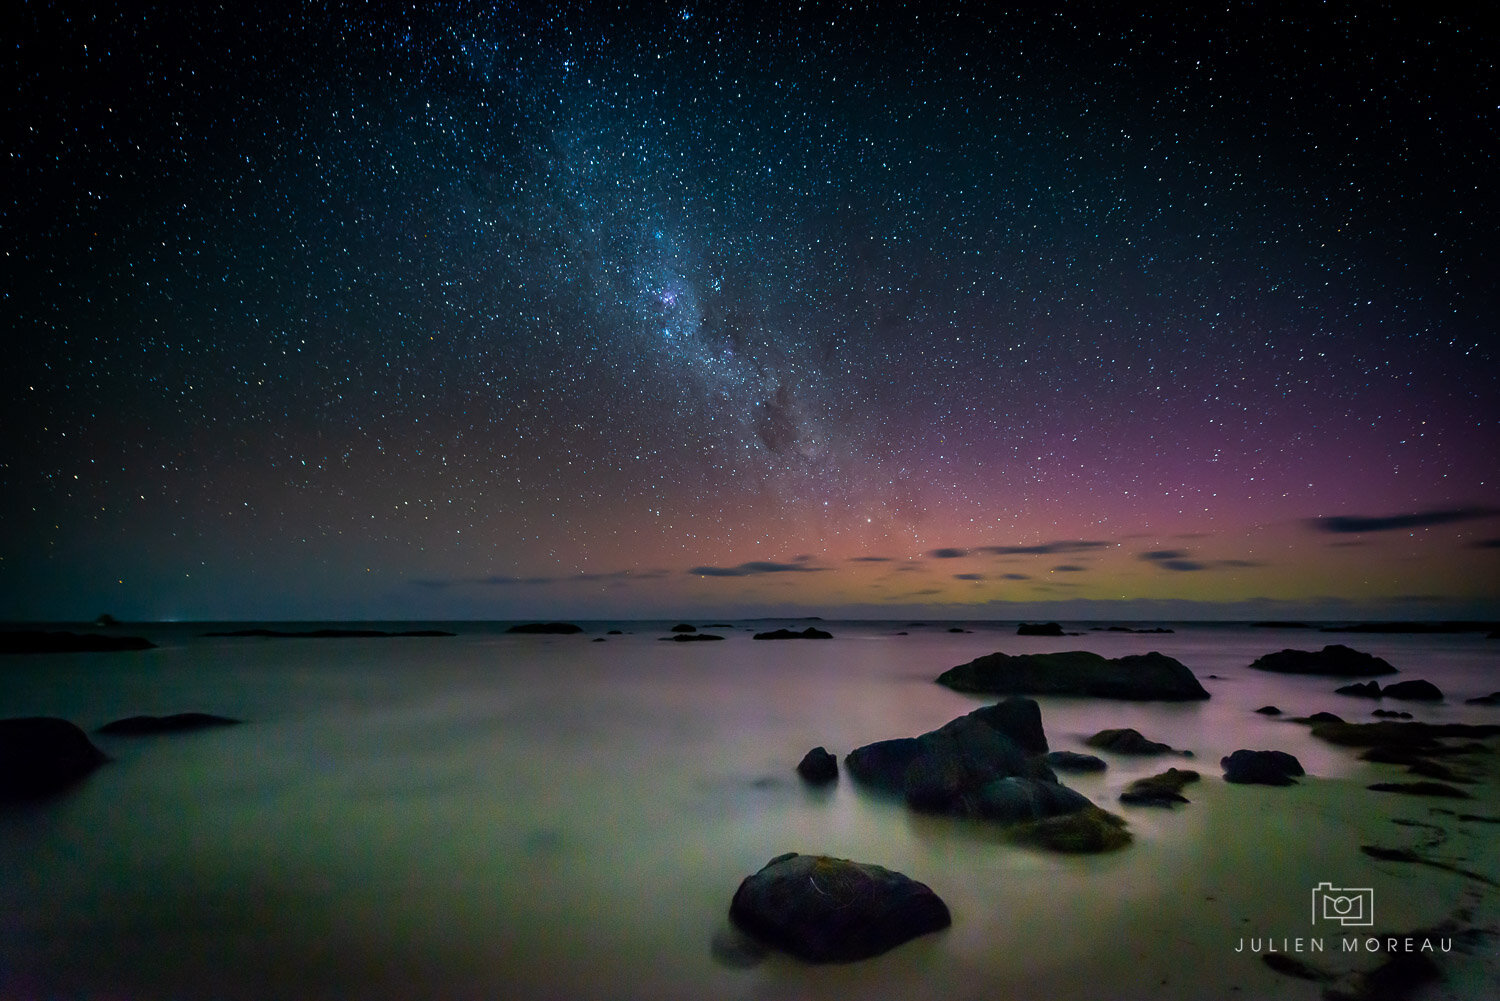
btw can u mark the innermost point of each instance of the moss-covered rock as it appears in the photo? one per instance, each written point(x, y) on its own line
point(1087, 831)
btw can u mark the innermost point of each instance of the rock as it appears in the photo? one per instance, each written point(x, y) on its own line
point(1014, 800)
point(1492, 699)
point(1319, 718)
point(35, 641)
point(957, 629)
point(1272, 768)
point(546, 628)
point(1162, 789)
point(1087, 831)
point(1363, 689)
point(42, 755)
point(1390, 714)
point(683, 627)
point(137, 726)
point(833, 910)
point(1039, 629)
point(1072, 761)
point(1269, 711)
point(691, 638)
point(615, 632)
point(1335, 659)
point(786, 634)
point(1139, 677)
point(1408, 735)
point(818, 767)
point(1127, 741)
point(1421, 789)
point(1416, 690)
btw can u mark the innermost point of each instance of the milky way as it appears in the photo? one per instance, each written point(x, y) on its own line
point(497, 309)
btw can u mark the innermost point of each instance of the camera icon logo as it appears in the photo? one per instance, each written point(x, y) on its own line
point(1352, 907)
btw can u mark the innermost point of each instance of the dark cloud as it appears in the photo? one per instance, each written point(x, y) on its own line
point(1486, 544)
point(754, 568)
point(1239, 564)
point(1047, 548)
point(968, 576)
point(1068, 568)
point(871, 559)
point(1354, 524)
point(949, 554)
point(1015, 576)
point(1178, 560)
point(1163, 555)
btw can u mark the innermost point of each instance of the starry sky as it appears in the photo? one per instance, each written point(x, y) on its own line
point(500, 310)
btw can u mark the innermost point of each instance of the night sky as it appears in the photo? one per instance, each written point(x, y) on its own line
point(504, 310)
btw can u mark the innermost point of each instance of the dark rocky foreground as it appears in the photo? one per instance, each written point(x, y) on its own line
point(832, 910)
point(37, 641)
point(1335, 659)
point(1140, 677)
point(42, 755)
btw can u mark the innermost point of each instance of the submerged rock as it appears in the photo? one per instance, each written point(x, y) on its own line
point(1363, 689)
point(1127, 741)
point(833, 910)
point(818, 767)
point(1271, 768)
point(1269, 711)
point(809, 633)
point(42, 755)
point(1334, 659)
point(36, 641)
point(135, 726)
point(1139, 677)
point(1090, 830)
point(1421, 789)
point(1162, 789)
point(1072, 761)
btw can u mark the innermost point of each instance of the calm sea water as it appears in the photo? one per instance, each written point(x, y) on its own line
point(494, 816)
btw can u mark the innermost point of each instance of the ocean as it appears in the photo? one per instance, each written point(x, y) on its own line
point(544, 816)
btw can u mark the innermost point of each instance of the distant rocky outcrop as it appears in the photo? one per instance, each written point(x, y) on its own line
point(1139, 677)
point(1492, 699)
point(833, 910)
point(692, 638)
point(1272, 768)
point(810, 633)
point(1039, 629)
point(1131, 629)
point(38, 641)
point(136, 726)
point(683, 627)
point(818, 767)
point(546, 628)
point(1334, 659)
point(1161, 789)
point(1127, 741)
point(42, 755)
point(330, 634)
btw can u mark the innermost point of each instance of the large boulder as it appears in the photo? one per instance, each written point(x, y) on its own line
point(1271, 768)
point(1137, 677)
point(833, 910)
point(1334, 659)
point(41, 755)
point(944, 769)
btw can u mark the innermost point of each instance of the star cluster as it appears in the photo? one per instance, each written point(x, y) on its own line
point(386, 310)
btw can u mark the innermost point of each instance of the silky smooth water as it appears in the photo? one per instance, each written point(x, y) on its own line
point(492, 815)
